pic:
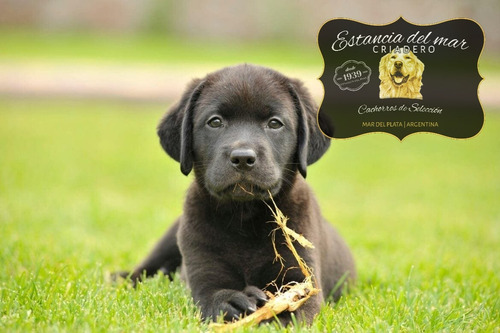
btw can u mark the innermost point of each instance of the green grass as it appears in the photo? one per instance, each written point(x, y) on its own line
point(151, 48)
point(85, 189)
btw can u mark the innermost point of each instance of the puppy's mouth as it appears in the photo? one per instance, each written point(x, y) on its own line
point(398, 78)
point(246, 191)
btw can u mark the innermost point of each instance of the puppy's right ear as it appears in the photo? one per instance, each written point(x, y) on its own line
point(176, 127)
point(382, 67)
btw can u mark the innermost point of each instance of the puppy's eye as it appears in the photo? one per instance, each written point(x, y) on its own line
point(274, 124)
point(407, 57)
point(393, 57)
point(215, 122)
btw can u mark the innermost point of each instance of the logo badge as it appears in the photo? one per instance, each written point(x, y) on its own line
point(401, 78)
point(352, 75)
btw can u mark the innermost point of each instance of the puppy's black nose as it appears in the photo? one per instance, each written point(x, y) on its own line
point(243, 159)
point(398, 64)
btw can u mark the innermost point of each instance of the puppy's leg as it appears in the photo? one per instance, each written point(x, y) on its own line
point(218, 286)
point(164, 257)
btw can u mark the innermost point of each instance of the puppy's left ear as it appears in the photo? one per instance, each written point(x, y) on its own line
point(311, 142)
point(176, 128)
point(419, 69)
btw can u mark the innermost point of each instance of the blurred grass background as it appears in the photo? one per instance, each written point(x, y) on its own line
point(86, 189)
point(148, 48)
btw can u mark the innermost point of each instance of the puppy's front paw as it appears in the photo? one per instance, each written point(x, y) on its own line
point(233, 304)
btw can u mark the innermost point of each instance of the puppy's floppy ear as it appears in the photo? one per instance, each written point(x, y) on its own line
point(382, 67)
point(419, 69)
point(176, 128)
point(311, 142)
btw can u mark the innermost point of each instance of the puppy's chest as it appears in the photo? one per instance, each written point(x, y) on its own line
point(256, 260)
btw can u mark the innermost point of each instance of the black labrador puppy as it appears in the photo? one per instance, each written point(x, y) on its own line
point(246, 131)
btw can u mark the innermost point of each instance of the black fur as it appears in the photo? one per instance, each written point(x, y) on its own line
point(246, 131)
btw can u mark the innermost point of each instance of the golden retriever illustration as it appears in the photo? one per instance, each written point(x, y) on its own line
point(400, 75)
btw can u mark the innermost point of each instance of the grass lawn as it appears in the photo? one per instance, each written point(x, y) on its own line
point(35, 45)
point(85, 189)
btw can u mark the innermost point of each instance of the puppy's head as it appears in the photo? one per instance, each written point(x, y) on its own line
point(400, 67)
point(245, 130)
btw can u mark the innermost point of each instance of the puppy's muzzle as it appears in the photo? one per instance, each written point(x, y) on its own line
point(398, 64)
point(243, 159)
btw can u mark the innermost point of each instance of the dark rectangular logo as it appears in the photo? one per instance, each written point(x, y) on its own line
point(401, 78)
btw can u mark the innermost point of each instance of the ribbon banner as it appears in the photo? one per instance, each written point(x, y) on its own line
point(401, 78)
